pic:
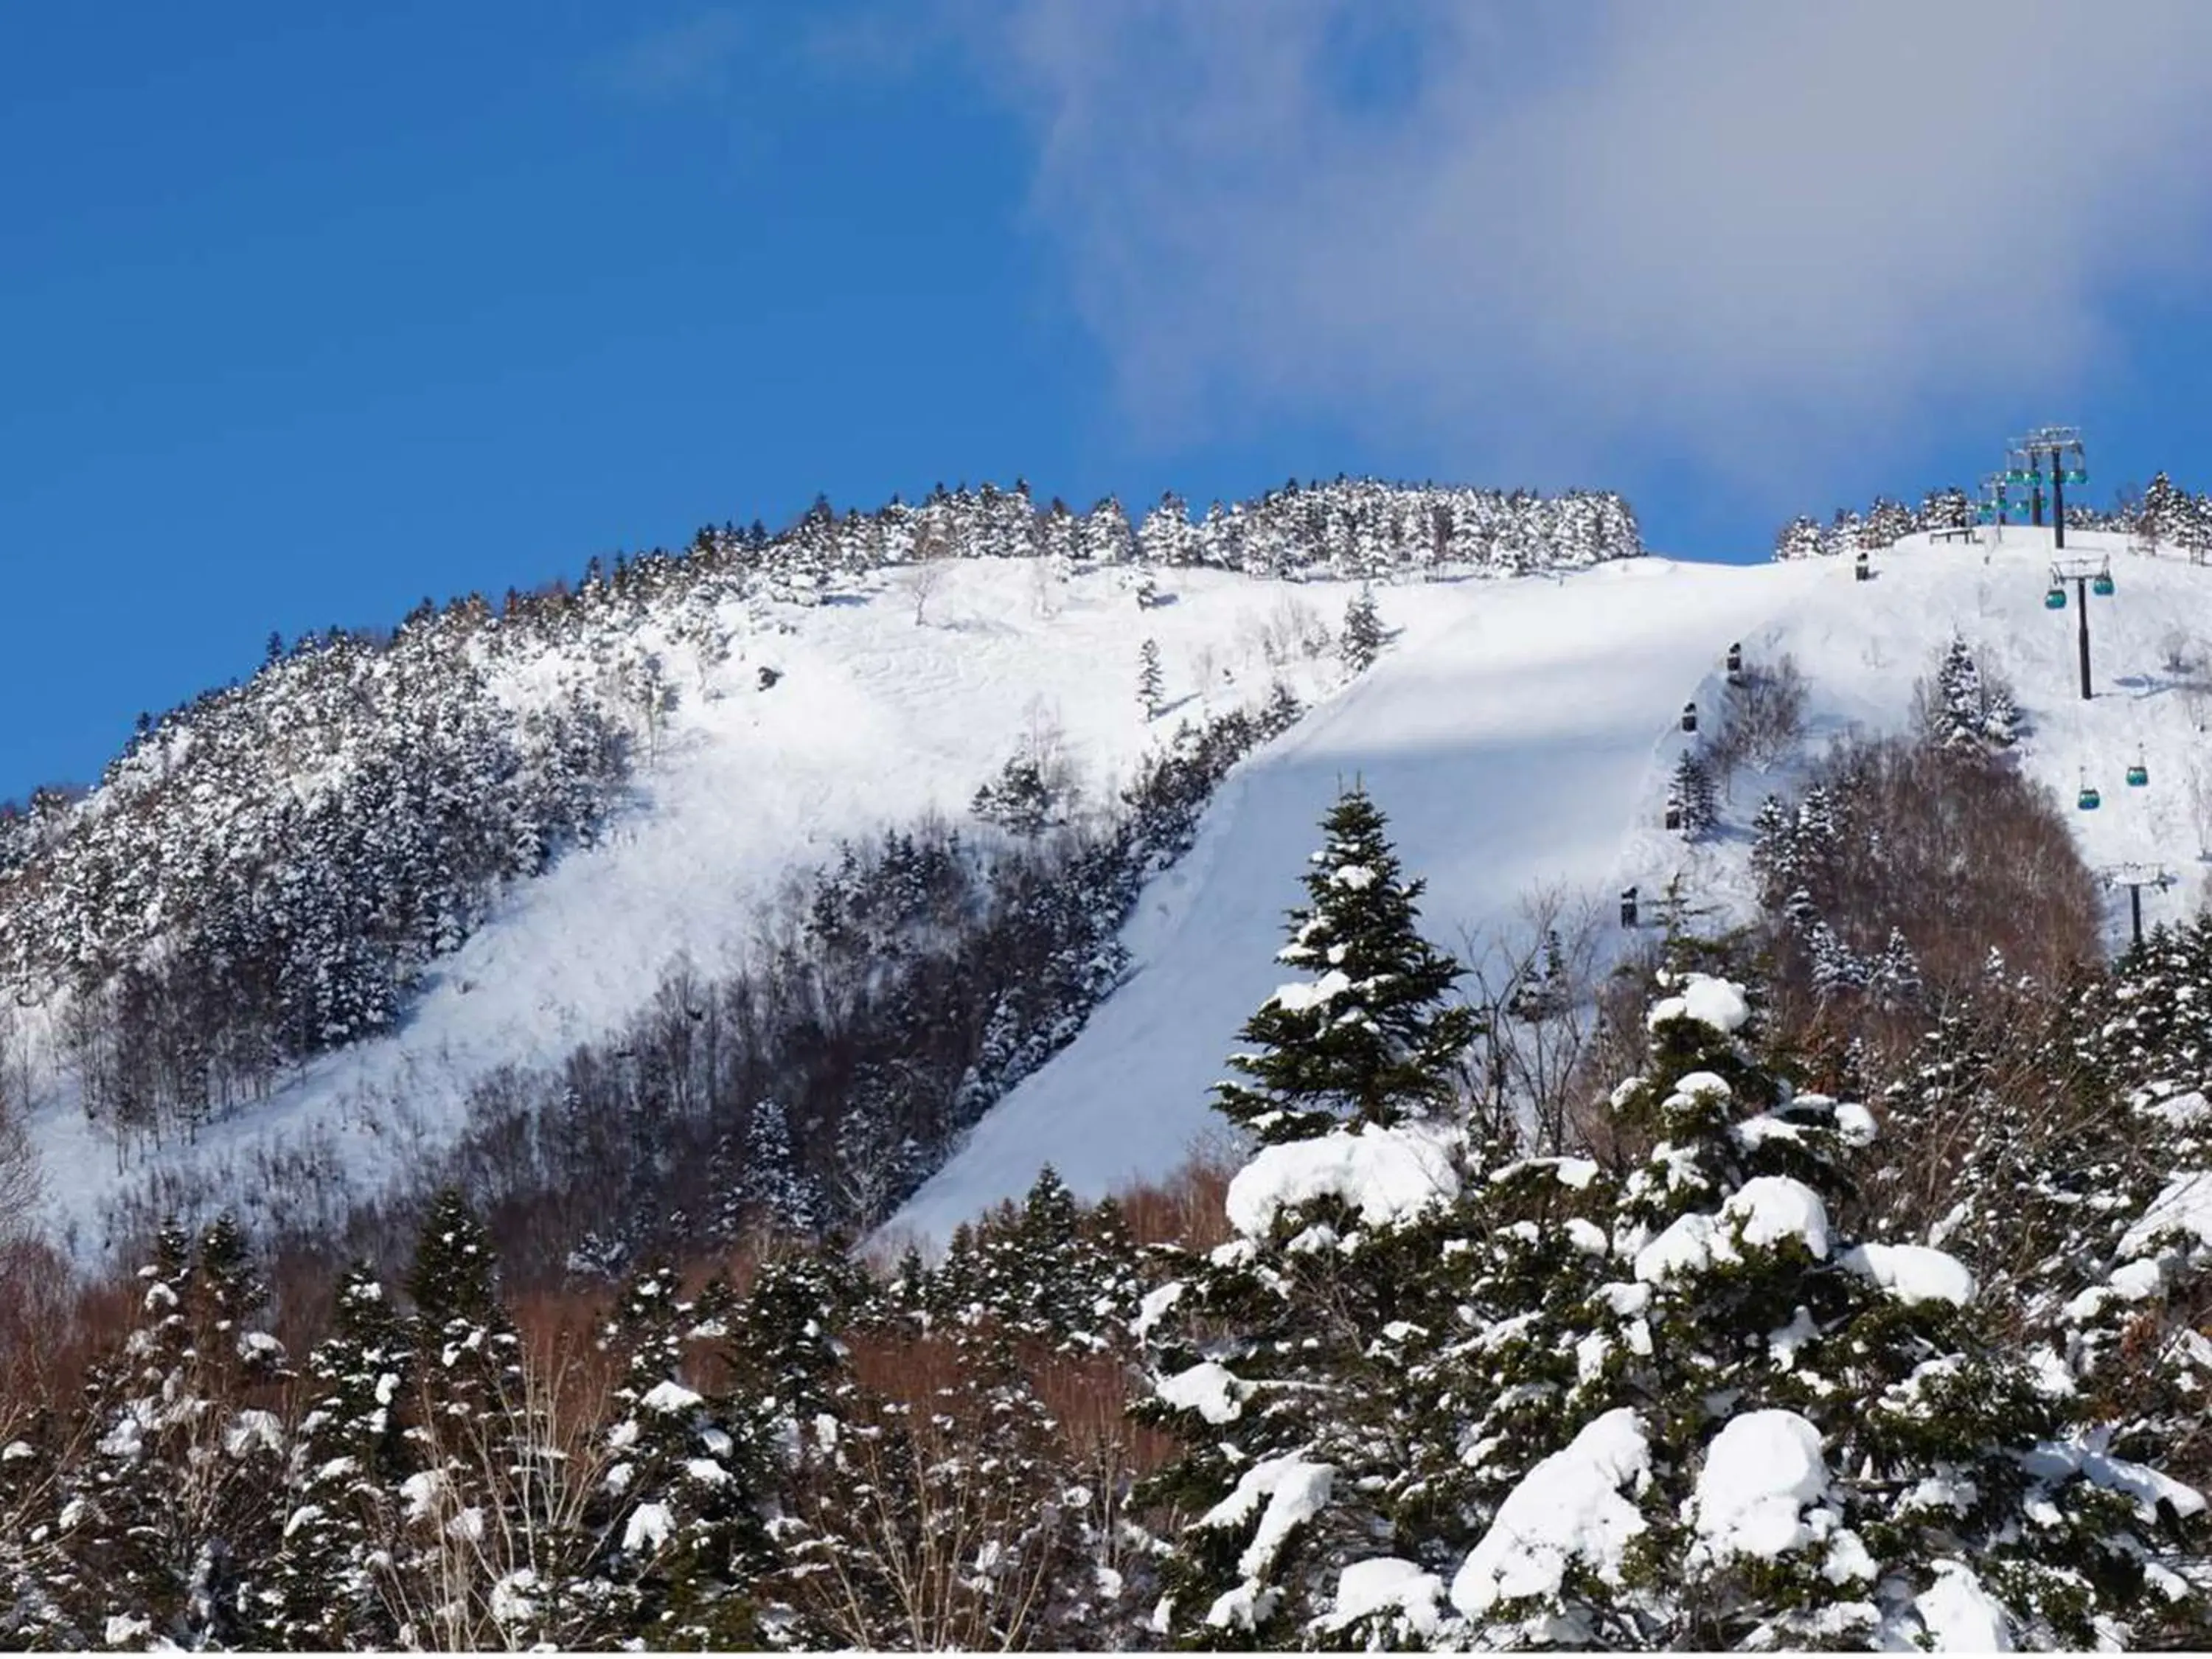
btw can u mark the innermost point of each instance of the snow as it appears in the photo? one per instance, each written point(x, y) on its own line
point(1569, 1510)
point(1913, 1274)
point(1761, 1471)
point(1855, 1124)
point(647, 1529)
point(1718, 1003)
point(2184, 1206)
point(1519, 732)
point(1959, 1615)
point(1316, 993)
point(1768, 1209)
point(875, 722)
point(1295, 1491)
point(1388, 1176)
point(1763, 1212)
point(1207, 1389)
point(2187, 1111)
point(2057, 1460)
point(1387, 1584)
point(669, 1396)
point(1154, 1307)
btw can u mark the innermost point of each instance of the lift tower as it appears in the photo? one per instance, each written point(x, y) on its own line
point(2089, 576)
point(2135, 877)
point(2055, 452)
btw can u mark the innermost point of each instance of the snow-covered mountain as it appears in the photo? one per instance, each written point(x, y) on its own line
point(308, 914)
point(1519, 729)
point(1523, 741)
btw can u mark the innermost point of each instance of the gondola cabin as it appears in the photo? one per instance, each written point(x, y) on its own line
point(2055, 599)
point(2101, 585)
point(1689, 717)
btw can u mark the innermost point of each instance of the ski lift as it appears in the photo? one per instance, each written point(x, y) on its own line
point(2138, 773)
point(2102, 584)
point(1628, 907)
point(2055, 599)
point(2089, 800)
point(1985, 514)
point(1689, 717)
point(1674, 815)
point(2077, 475)
point(1735, 659)
point(2019, 475)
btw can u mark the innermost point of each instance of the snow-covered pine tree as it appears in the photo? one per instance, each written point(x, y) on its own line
point(1370, 1041)
point(489, 1517)
point(1963, 706)
point(1362, 640)
point(1948, 508)
point(1895, 979)
point(1692, 801)
point(1837, 969)
point(676, 1512)
point(1887, 522)
point(351, 1461)
point(2159, 516)
point(773, 1189)
point(1278, 1358)
point(1150, 687)
point(2195, 531)
point(1801, 538)
point(1047, 1271)
point(1167, 536)
point(175, 1518)
point(1770, 851)
point(1779, 1436)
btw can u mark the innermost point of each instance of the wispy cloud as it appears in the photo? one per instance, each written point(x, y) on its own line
point(681, 60)
point(1735, 233)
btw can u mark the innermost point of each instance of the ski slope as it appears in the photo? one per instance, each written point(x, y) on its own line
point(893, 702)
point(1527, 742)
point(1518, 732)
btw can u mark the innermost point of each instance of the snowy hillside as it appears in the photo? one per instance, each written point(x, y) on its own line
point(873, 718)
point(1525, 742)
point(1518, 731)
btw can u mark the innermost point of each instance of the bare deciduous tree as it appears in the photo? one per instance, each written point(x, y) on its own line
point(1534, 985)
point(2200, 805)
point(500, 1523)
point(1761, 718)
point(929, 577)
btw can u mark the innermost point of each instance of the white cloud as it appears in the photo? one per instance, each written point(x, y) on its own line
point(1736, 232)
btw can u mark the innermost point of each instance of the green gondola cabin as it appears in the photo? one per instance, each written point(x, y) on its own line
point(2055, 599)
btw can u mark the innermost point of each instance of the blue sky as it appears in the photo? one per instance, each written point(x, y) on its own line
point(308, 313)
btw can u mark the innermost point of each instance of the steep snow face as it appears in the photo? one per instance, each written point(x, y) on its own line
point(1525, 743)
point(874, 719)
